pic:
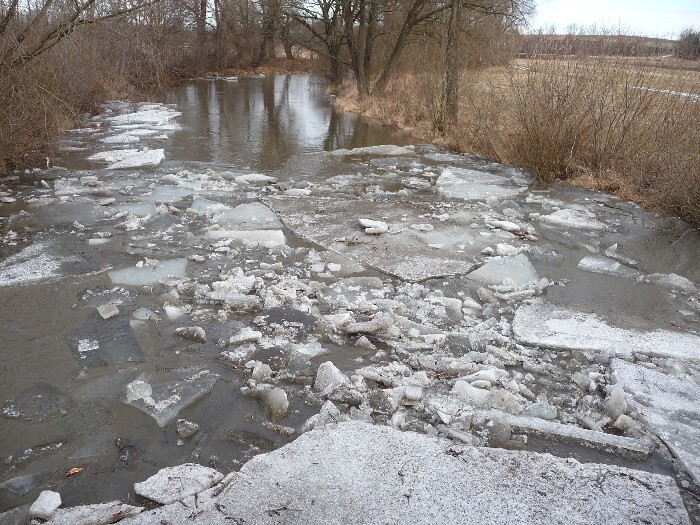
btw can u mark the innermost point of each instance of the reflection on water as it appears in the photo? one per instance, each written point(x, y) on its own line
point(261, 122)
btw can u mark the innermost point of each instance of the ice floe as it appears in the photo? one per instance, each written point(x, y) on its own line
point(550, 326)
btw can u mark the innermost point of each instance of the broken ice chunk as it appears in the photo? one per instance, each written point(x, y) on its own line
point(517, 269)
point(310, 349)
point(192, 333)
point(173, 484)
point(144, 314)
point(149, 276)
point(108, 310)
point(383, 150)
point(506, 250)
point(130, 158)
point(247, 335)
point(273, 400)
point(255, 179)
point(599, 264)
point(45, 505)
point(328, 414)
point(579, 219)
point(186, 429)
point(266, 238)
point(165, 395)
point(373, 227)
point(475, 185)
point(672, 280)
point(329, 378)
point(249, 216)
point(507, 226)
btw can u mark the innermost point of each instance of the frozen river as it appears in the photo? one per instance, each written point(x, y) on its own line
point(204, 278)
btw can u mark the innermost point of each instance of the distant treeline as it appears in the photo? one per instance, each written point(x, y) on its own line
point(580, 45)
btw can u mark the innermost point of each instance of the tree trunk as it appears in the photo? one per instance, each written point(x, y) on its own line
point(451, 88)
point(286, 43)
point(201, 20)
point(335, 66)
point(412, 18)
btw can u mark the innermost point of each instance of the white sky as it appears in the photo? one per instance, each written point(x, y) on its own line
point(654, 18)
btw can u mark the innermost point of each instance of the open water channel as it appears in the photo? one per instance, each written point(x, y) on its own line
point(200, 257)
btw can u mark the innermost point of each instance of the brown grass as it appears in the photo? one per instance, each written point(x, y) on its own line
point(614, 123)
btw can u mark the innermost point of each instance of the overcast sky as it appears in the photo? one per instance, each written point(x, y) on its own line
point(655, 18)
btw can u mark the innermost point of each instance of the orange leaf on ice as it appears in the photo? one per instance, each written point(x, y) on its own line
point(74, 470)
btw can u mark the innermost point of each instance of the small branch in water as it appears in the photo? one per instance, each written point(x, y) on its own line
point(684, 234)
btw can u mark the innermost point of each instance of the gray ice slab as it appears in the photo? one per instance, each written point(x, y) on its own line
point(629, 448)
point(383, 150)
point(358, 473)
point(33, 264)
point(130, 158)
point(577, 219)
point(469, 184)
point(670, 406)
point(162, 396)
point(21, 485)
point(249, 216)
point(412, 255)
point(604, 265)
point(105, 341)
point(149, 276)
point(500, 270)
point(550, 326)
point(16, 516)
point(37, 403)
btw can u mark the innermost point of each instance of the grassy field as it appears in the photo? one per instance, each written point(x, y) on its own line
point(627, 125)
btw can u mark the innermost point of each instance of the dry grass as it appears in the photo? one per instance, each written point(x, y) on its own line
point(618, 124)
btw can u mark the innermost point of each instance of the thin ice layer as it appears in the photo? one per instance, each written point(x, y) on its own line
point(148, 275)
point(163, 396)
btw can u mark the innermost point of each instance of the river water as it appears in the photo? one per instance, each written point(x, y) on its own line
point(230, 210)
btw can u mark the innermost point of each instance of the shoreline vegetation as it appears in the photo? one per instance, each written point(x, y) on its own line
point(628, 126)
point(595, 108)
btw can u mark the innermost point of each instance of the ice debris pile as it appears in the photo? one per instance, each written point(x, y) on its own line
point(412, 289)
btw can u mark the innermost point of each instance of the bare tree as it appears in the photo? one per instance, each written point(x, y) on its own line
point(25, 33)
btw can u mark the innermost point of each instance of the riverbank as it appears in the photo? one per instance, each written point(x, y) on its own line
point(621, 125)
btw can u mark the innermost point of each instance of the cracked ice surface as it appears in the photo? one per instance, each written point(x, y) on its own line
point(669, 405)
point(550, 326)
point(405, 477)
point(476, 185)
point(405, 252)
